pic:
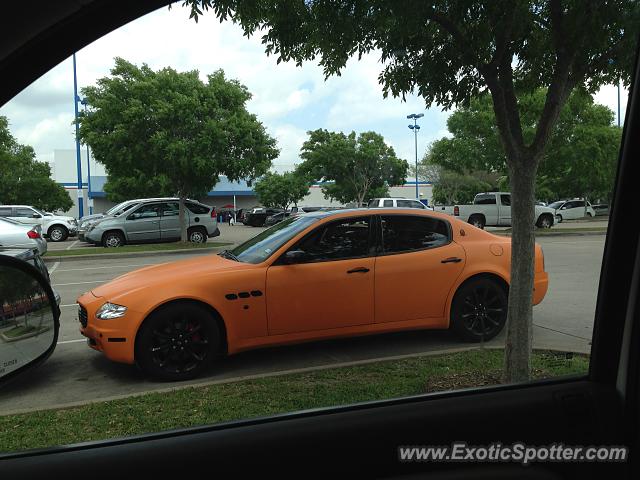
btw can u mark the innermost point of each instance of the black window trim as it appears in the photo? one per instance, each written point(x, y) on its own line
point(380, 242)
point(372, 246)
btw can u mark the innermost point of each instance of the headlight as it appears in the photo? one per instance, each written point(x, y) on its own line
point(111, 310)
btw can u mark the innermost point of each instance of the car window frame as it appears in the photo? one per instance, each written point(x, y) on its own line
point(371, 247)
point(128, 218)
point(380, 239)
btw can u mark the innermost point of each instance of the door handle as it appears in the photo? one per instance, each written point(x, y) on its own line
point(358, 270)
point(451, 260)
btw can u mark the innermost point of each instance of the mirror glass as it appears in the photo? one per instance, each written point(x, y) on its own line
point(27, 322)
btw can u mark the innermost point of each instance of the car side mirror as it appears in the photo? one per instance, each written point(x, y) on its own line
point(36, 215)
point(294, 256)
point(29, 318)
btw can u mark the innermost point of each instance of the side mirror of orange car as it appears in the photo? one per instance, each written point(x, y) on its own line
point(294, 256)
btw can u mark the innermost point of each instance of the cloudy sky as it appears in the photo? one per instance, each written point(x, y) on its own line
point(289, 100)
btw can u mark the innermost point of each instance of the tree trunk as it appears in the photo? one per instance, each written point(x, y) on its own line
point(519, 339)
point(182, 219)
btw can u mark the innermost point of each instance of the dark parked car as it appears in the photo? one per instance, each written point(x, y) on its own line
point(257, 216)
point(277, 218)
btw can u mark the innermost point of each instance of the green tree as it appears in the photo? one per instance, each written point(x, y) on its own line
point(281, 190)
point(169, 133)
point(448, 52)
point(354, 168)
point(580, 159)
point(24, 180)
point(457, 188)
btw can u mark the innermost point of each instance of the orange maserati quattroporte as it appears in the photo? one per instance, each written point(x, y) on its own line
point(316, 276)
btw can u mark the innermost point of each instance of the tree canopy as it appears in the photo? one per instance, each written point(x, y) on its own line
point(580, 160)
point(24, 180)
point(353, 168)
point(164, 132)
point(281, 190)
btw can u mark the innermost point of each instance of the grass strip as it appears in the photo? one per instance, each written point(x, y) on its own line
point(193, 406)
point(158, 247)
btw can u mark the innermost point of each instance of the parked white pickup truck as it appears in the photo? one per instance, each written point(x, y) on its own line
point(493, 209)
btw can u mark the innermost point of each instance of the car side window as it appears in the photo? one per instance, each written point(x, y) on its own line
point(505, 200)
point(388, 203)
point(405, 204)
point(406, 233)
point(5, 212)
point(338, 240)
point(197, 209)
point(170, 209)
point(24, 212)
point(146, 211)
point(485, 200)
point(416, 204)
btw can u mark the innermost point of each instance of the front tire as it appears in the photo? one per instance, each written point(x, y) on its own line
point(58, 233)
point(545, 221)
point(113, 240)
point(177, 342)
point(479, 310)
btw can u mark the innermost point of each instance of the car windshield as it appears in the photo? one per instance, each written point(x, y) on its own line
point(555, 205)
point(115, 208)
point(262, 246)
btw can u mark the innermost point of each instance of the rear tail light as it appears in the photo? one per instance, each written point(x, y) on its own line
point(456, 211)
point(33, 234)
point(213, 212)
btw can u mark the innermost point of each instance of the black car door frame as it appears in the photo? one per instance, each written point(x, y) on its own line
point(362, 440)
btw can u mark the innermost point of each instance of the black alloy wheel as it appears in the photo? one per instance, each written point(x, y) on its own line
point(177, 343)
point(479, 310)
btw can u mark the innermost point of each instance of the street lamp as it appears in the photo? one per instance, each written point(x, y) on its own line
point(415, 127)
point(76, 99)
point(89, 199)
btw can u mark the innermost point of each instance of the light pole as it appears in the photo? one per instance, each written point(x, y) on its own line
point(415, 127)
point(76, 99)
point(89, 199)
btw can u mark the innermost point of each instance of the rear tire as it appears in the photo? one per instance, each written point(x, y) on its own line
point(479, 310)
point(58, 233)
point(477, 221)
point(178, 342)
point(197, 235)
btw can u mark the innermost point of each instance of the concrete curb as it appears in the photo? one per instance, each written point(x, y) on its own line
point(91, 256)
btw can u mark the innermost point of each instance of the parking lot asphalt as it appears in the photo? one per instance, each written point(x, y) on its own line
point(76, 373)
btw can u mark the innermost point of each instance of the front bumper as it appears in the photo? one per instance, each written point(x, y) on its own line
point(115, 338)
point(93, 237)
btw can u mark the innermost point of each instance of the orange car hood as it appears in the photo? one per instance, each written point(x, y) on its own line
point(164, 273)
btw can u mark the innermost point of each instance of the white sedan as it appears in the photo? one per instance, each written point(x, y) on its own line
point(17, 235)
point(572, 210)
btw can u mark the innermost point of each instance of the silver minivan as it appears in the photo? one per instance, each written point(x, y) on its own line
point(155, 220)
